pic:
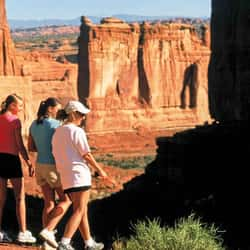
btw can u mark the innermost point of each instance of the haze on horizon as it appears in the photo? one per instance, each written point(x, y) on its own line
point(65, 9)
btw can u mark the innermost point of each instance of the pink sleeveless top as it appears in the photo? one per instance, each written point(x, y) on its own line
point(8, 124)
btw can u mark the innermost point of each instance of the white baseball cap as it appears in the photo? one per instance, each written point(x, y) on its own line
point(76, 106)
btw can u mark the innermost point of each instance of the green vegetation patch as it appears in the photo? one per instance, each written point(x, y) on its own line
point(126, 162)
point(187, 234)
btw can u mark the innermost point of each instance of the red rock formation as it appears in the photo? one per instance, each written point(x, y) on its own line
point(109, 59)
point(48, 77)
point(8, 65)
point(151, 75)
point(11, 80)
point(133, 77)
point(38, 76)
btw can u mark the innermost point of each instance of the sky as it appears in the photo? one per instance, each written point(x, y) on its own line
point(70, 9)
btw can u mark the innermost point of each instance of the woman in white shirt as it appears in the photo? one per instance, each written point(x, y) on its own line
point(73, 159)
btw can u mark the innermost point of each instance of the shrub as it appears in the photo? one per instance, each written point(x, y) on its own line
point(187, 234)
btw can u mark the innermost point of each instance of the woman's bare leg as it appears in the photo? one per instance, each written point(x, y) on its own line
point(59, 210)
point(84, 226)
point(80, 202)
point(18, 186)
point(3, 189)
point(49, 203)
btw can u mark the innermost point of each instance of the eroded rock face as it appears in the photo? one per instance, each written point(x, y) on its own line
point(133, 76)
point(11, 80)
point(33, 76)
point(8, 65)
point(22, 86)
point(151, 75)
point(49, 78)
point(229, 91)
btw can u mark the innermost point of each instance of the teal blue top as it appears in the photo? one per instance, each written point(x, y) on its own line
point(42, 135)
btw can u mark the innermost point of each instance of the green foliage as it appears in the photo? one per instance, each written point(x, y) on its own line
point(187, 234)
point(126, 163)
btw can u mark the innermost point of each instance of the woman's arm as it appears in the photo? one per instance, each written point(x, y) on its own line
point(89, 158)
point(22, 150)
point(31, 144)
point(92, 162)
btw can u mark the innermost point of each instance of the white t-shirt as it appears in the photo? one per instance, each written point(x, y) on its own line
point(69, 144)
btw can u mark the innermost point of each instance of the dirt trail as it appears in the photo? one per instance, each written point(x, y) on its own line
point(17, 247)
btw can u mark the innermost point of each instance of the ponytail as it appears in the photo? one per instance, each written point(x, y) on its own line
point(42, 112)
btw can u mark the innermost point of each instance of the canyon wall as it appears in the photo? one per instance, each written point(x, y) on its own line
point(48, 77)
point(8, 65)
point(33, 76)
point(11, 80)
point(143, 75)
point(229, 70)
point(132, 76)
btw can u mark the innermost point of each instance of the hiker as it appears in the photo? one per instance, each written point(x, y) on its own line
point(11, 144)
point(73, 159)
point(47, 177)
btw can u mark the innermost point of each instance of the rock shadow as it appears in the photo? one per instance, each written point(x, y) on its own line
point(190, 84)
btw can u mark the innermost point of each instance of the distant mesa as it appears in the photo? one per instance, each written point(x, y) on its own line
point(108, 20)
point(22, 24)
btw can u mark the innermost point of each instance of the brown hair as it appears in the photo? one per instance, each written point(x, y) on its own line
point(9, 99)
point(63, 116)
point(42, 112)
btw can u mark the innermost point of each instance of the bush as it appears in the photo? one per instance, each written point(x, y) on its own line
point(187, 234)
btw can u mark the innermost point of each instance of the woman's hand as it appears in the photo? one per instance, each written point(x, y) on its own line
point(101, 173)
point(31, 170)
point(105, 177)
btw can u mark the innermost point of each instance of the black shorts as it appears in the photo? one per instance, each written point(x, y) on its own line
point(76, 189)
point(10, 166)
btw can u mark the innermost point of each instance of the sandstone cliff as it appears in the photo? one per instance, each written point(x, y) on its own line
point(34, 76)
point(48, 77)
point(8, 65)
point(11, 80)
point(151, 75)
point(132, 76)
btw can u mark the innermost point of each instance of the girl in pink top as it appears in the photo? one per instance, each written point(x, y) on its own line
point(11, 144)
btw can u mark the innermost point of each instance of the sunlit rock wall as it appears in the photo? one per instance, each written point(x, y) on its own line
point(150, 75)
point(33, 76)
point(11, 80)
point(48, 77)
point(8, 65)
